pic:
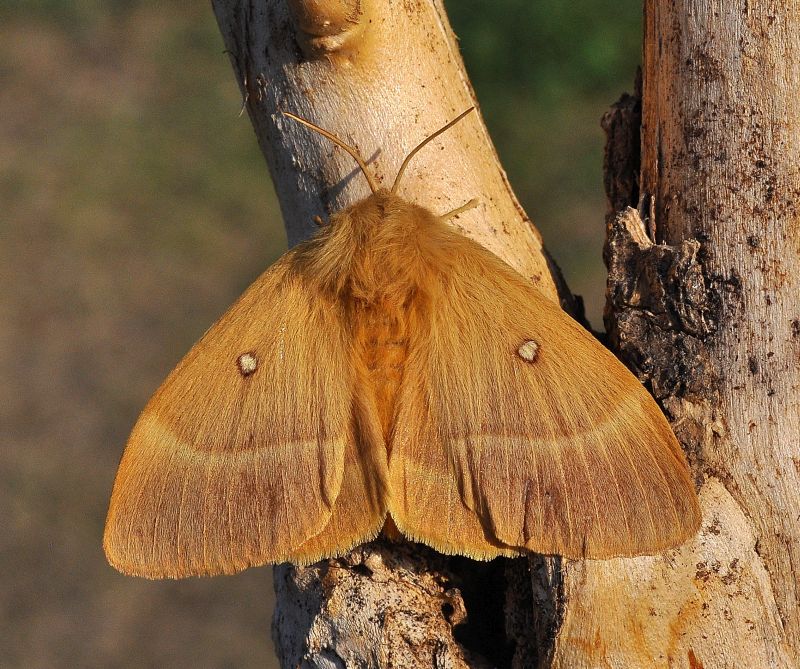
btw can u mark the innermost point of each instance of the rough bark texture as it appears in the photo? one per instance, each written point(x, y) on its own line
point(327, 616)
point(382, 75)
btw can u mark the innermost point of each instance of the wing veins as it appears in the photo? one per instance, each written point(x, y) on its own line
point(673, 506)
point(617, 489)
point(566, 497)
point(597, 517)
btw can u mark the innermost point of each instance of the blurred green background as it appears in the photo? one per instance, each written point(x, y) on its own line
point(134, 207)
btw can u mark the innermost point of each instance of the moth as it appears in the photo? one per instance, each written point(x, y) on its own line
point(392, 374)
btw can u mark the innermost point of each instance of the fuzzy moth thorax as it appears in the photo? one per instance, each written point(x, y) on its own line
point(380, 249)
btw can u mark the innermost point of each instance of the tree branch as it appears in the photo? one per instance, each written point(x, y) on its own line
point(382, 76)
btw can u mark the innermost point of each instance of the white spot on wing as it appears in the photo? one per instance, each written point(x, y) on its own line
point(528, 350)
point(247, 363)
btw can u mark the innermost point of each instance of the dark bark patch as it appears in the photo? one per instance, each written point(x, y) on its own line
point(661, 308)
point(662, 312)
point(534, 609)
point(621, 163)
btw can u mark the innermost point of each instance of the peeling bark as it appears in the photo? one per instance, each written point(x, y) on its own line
point(622, 160)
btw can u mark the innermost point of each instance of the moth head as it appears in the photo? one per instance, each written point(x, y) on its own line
point(380, 193)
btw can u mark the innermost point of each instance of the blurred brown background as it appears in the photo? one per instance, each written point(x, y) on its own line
point(134, 207)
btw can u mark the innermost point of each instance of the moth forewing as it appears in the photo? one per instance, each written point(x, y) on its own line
point(239, 458)
point(511, 414)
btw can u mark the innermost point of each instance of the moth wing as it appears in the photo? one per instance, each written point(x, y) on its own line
point(564, 454)
point(239, 461)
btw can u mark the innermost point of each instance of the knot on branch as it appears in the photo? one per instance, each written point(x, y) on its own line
point(325, 27)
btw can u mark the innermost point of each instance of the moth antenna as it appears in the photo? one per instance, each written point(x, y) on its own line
point(460, 210)
point(361, 162)
point(423, 143)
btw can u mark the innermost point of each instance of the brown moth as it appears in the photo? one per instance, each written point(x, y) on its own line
point(391, 373)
